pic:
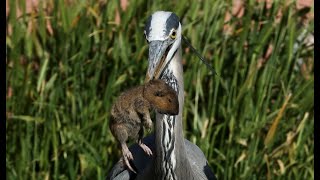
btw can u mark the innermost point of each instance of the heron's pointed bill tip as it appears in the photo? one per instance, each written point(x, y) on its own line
point(147, 78)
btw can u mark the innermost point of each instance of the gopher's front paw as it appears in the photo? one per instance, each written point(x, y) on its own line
point(148, 124)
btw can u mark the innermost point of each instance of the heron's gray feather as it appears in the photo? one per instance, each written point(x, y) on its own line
point(141, 160)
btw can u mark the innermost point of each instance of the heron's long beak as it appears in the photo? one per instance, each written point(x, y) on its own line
point(158, 51)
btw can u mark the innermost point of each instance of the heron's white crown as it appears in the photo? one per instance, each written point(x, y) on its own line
point(160, 24)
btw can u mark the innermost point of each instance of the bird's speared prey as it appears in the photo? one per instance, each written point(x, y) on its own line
point(130, 113)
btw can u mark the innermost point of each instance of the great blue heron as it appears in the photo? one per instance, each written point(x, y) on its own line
point(174, 157)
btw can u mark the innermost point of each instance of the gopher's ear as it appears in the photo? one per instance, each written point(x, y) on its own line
point(156, 82)
point(151, 82)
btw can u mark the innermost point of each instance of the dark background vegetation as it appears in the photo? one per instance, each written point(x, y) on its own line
point(67, 60)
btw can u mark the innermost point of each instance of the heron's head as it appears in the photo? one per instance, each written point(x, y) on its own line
point(163, 33)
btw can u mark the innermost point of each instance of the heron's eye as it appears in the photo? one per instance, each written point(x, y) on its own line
point(173, 34)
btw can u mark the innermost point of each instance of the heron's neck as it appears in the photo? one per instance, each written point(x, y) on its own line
point(170, 145)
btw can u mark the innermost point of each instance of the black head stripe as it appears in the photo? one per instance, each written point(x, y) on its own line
point(172, 23)
point(147, 28)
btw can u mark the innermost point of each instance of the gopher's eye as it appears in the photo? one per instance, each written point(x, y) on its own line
point(159, 94)
point(173, 34)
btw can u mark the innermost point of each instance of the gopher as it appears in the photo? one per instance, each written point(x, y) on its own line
point(131, 112)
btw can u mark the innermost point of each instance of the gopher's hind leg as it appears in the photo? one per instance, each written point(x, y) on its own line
point(127, 155)
point(119, 131)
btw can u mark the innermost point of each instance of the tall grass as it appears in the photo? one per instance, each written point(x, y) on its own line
point(254, 121)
